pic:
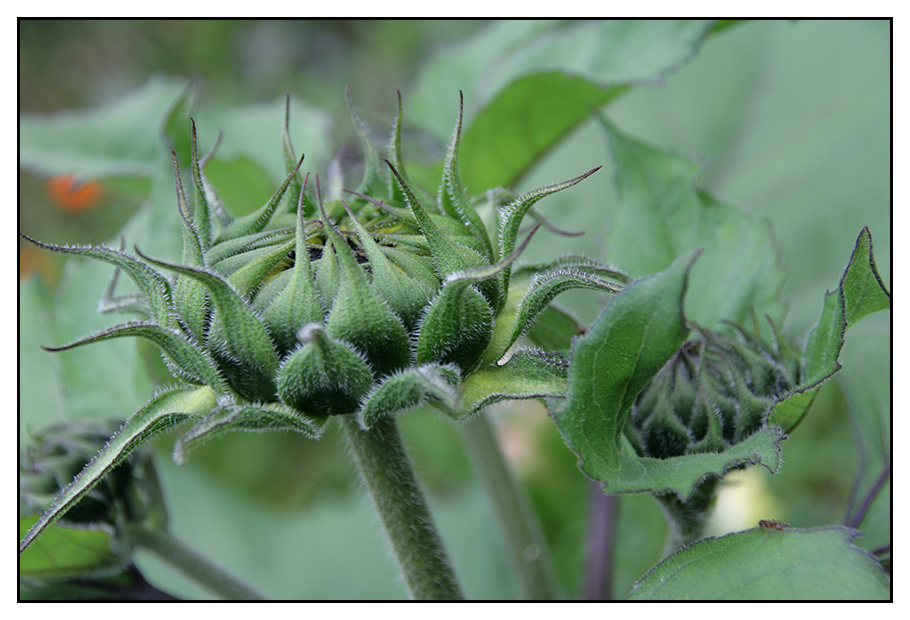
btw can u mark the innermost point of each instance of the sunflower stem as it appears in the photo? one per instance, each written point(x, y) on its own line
point(200, 569)
point(386, 470)
point(521, 530)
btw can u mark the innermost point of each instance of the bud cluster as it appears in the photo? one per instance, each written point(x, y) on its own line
point(713, 393)
point(57, 454)
point(367, 303)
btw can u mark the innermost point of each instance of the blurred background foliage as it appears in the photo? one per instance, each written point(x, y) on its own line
point(788, 120)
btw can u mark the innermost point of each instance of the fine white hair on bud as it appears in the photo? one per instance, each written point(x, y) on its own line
point(309, 332)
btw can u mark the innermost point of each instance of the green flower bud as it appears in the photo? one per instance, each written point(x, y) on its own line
point(715, 392)
point(457, 327)
point(59, 453)
point(373, 306)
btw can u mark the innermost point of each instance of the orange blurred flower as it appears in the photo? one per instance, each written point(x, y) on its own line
point(74, 196)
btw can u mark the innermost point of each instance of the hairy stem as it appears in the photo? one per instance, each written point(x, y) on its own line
point(193, 565)
point(386, 470)
point(687, 519)
point(523, 535)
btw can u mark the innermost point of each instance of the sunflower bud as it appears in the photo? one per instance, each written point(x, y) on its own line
point(713, 393)
point(303, 309)
point(129, 494)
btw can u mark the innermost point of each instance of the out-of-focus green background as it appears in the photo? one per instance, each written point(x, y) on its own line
point(791, 121)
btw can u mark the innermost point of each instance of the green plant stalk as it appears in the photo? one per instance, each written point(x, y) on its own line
point(521, 530)
point(386, 470)
point(201, 570)
point(687, 520)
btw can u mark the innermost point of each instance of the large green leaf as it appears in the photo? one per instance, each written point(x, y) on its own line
point(633, 338)
point(117, 139)
point(767, 564)
point(662, 215)
point(528, 83)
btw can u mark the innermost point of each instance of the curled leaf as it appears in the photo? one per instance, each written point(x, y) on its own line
point(409, 389)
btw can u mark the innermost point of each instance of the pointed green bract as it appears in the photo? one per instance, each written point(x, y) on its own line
point(327, 275)
point(361, 318)
point(154, 287)
point(371, 170)
point(184, 359)
point(247, 279)
point(405, 295)
point(165, 410)
point(409, 389)
point(457, 327)
point(298, 303)
point(513, 214)
point(527, 374)
point(238, 340)
point(256, 221)
point(227, 250)
point(190, 295)
point(290, 158)
point(452, 197)
point(449, 256)
point(271, 417)
point(202, 212)
point(514, 322)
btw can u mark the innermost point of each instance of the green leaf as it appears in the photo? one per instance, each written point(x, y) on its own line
point(527, 374)
point(662, 215)
point(635, 335)
point(163, 411)
point(860, 293)
point(121, 138)
point(67, 552)
point(767, 564)
point(531, 82)
point(680, 474)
